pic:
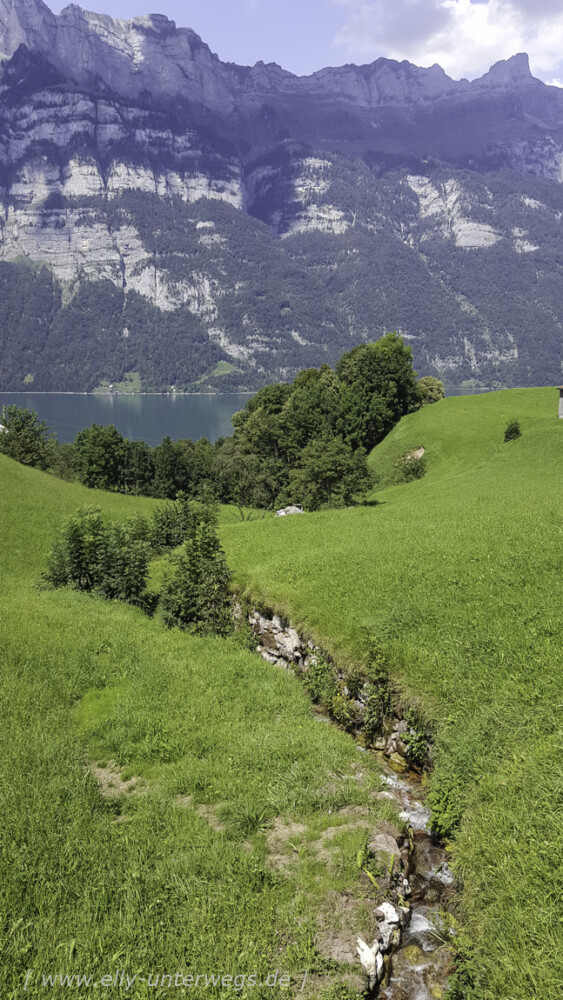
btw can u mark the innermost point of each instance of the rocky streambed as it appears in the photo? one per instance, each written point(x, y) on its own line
point(410, 956)
point(421, 964)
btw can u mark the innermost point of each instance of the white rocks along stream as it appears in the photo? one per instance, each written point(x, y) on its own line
point(410, 957)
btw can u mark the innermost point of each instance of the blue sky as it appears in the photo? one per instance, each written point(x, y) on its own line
point(463, 36)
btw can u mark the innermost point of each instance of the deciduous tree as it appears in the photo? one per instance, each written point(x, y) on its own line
point(23, 436)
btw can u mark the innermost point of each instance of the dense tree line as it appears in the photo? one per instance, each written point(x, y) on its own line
point(302, 442)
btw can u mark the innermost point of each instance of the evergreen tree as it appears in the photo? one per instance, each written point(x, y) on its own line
point(196, 594)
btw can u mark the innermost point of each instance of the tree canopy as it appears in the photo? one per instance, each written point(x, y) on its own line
point(302, 442)
point(23, 436)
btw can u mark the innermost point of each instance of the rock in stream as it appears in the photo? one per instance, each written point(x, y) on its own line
point(411, 958)
point(423, 961)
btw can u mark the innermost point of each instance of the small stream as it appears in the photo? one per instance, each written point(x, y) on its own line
point(422, 963)
point(417, 968)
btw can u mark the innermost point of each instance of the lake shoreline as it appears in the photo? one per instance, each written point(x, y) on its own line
point(62, 392)
point(143, 416)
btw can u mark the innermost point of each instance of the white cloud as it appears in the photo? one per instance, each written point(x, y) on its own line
point(464, 37)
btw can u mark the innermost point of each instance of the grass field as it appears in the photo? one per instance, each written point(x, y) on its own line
point(459, 576)
point(168, 803)
point(164, 798)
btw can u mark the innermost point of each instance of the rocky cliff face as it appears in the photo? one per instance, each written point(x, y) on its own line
point(274, 219)
point(150, 55)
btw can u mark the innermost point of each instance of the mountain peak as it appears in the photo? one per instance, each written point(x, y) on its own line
point(507, 72)
point(150, 55)
point(518, 66)
point(24, 22)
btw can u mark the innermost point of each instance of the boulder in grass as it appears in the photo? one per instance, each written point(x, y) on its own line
point(292, 509)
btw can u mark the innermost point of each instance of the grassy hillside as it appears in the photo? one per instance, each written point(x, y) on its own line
point(459, 576)
point(164, 797)
point(463, 432)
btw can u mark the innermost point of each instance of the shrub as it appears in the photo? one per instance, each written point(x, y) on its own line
point(376, 709)
point(416, 740)
point(320, 682)
point(95, 555)
point(139, 528)
point(409, 467)
point(512, 431)
point(431, 390)
point(344, 711)
point(378, 692)
point(167, 530)
point(171, 521)
point(196, 595)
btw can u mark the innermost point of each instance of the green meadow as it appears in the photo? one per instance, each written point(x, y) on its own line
point(458, 576)
point(170, 802)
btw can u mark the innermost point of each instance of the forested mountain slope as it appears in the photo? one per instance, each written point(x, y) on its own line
point(161, 211)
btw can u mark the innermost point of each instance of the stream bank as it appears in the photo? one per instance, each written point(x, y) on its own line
point(410, 957)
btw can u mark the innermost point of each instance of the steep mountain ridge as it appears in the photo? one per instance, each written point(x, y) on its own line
point(149, 54)
point(265, 220)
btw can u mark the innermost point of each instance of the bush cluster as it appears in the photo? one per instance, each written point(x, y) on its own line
point(96, 555)
point(112, 560)
point(512, 431)
point(409, 467)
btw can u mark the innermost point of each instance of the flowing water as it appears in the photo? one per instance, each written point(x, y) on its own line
point(421, 965)
point(422, 960)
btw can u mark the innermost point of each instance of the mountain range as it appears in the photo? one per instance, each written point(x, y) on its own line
point(167, 219)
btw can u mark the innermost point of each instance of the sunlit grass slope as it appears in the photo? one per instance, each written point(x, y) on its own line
point(459, 576)
point(460, 433)
point(198, 744)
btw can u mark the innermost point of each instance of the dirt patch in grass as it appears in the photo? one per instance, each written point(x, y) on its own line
point(112, 784)
point(316, 985)
point(342, 919)
point(278, 836)
point(333, 831)
point(281, 834)
point(353, 811)
point(209, 813)
point(184, 801)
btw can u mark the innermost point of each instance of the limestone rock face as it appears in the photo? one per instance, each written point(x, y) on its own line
point(147, 53)
point(151, 54)
point(25, 22)
point(507, 73)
